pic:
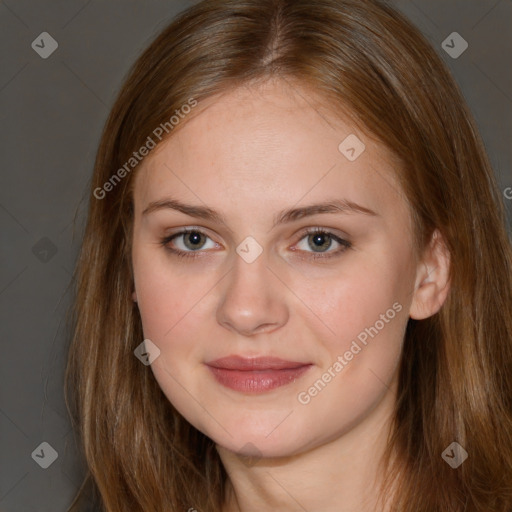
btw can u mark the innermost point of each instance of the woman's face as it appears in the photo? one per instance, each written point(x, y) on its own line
point(255, 281)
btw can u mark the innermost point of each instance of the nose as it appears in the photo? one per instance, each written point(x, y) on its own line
point(253, 299)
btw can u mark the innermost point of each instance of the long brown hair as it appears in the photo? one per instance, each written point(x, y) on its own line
point(455, 381)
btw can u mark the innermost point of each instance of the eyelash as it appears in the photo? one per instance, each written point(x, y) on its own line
point(314, 256)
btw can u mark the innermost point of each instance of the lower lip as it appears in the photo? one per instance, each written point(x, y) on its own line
point(257, 381)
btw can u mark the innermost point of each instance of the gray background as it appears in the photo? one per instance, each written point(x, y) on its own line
point(52, 112)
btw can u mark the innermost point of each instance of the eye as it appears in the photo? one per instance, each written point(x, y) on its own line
point(321, 241)
point(192, 242)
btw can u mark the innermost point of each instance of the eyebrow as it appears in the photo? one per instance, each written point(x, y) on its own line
point(290, 215)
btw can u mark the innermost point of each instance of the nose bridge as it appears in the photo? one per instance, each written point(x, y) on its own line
point(250, 269)
point(252, 299)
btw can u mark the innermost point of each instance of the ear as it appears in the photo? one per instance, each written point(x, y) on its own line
point(134, 296)
point(432, 279)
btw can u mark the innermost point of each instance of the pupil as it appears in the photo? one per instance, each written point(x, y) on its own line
point(193, 238)
point(319, 241)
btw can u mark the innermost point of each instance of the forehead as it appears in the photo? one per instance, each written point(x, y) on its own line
point(277, 143)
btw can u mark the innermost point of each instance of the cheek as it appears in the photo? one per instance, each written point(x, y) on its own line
point(170, 303)
point(365, 310)
point(359, 361)
point(166, 296)
point(362, 298)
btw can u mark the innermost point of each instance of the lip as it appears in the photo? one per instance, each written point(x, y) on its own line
point(254, 363)
point(255, 374)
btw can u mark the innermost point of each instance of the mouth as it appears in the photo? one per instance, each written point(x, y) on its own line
point(256, 375)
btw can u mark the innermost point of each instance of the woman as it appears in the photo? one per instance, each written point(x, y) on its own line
point(222, 359)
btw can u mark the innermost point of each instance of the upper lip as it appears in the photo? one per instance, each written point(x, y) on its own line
point(254, 363)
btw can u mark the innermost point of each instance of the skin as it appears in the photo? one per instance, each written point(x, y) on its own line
point(248, 154)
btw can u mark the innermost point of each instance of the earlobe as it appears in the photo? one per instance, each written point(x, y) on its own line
point(432, 279)
point(134, 296)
